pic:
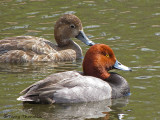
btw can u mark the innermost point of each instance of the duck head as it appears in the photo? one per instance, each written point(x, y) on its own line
point(69, 26)
point(99, 59)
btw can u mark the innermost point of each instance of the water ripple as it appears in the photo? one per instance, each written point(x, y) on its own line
point(157, 76)
point(147, 49)
point(64, 7)
point(114, 38)
point(151, 69)
point(32, 13)
point(141, 67)
point(157, 34)
point(16, 27)
point(140, 87)
point(70, 12)
point(45, 28)
point(143, 77)
point(49, 16)
point(156, 14)
point(136, 56)
point(92, 26)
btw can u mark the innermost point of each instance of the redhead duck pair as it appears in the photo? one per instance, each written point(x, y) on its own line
point(31, 49)
point(94, 84)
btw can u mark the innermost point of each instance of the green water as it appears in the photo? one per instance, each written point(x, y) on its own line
point(130, 27)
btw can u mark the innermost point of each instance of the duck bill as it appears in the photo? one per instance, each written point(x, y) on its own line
point(119, 66)
point(81, 36)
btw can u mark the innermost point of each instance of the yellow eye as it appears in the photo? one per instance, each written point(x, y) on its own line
point(107, 55)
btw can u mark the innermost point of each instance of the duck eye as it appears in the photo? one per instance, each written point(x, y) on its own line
point(107, 55)
point(72, 26)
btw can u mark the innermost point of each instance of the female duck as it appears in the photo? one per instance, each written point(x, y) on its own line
point(72, 87)
point(31, 49)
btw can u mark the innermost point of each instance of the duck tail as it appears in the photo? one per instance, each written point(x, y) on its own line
point(22, 98)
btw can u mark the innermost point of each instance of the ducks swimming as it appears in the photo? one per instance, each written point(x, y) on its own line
point(94, 84)
point(31, 49)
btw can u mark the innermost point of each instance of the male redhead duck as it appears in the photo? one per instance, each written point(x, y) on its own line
point(94, 84)
point(30, 49)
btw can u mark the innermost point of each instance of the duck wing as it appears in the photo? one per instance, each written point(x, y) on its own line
point(43, 90)
point(25, 48)
point(67, 87)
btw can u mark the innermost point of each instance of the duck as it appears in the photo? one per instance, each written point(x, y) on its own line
point(21, 49)
point(95, 83)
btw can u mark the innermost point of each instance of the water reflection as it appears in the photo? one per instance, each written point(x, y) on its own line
point(78, 111)
point(40, 67)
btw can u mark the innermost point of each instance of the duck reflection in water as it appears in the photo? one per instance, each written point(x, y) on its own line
point(106, 109)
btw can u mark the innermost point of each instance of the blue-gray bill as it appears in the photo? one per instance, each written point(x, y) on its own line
point(81, 36)
point(119, 66)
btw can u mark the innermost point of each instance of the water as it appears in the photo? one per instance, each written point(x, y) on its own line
point(131, 28)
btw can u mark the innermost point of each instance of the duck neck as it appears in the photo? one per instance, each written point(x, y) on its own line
point(62, 42)
point(93, 71)
point(71, 45)
point(103, 74)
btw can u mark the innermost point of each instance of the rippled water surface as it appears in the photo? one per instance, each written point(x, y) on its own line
point(130, 27)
